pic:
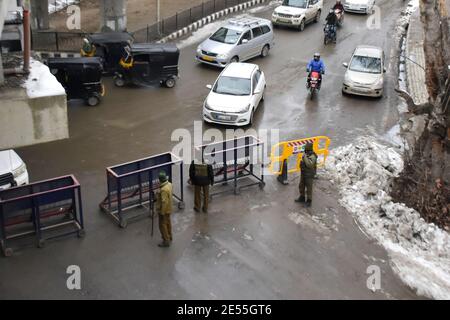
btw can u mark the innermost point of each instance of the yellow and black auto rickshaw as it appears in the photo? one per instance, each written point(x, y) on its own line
point(80, 77)
point(108, 46)
point(148, 64)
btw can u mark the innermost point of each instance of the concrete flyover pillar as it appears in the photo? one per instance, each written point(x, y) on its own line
point(39, 15)
point(114, 15)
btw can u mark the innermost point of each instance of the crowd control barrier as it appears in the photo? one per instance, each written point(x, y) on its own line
point(233, 160)
point(45, 209)
point(286, 156)
point(131, 185)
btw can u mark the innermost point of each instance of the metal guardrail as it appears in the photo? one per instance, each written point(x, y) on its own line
point(72, 41)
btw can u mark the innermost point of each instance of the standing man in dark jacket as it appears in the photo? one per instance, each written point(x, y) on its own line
point(201, 175)
point(308, 171)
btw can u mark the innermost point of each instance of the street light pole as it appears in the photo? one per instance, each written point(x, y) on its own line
point(158, 14)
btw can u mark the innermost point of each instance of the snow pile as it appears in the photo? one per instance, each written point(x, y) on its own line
point(420, 252)
point(57, 5)
point(41, 83)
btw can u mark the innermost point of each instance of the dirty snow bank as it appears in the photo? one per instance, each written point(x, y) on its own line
point(41, 83)
point(420, 252)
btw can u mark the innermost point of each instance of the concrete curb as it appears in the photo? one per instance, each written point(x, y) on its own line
point(208, 19)
point(46, 54)
point(415, 75)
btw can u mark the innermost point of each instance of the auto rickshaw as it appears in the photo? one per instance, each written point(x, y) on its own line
point(80, 77)
point(147, 64)
point(109, 46)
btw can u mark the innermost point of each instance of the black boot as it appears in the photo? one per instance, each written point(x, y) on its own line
point(164, 244)
point(308, 203)
point(301, 199)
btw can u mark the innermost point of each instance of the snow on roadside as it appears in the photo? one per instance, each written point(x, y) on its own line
point(419, 251)
point(57, 5)
point(41, 83)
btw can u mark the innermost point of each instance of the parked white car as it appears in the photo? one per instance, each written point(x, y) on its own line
point(359, 6)
point(237, 41)
point(365, 72)
point(235, 95)
point(297, 13)
point(13, 171)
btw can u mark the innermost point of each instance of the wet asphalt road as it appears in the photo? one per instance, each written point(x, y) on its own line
point(259, 244)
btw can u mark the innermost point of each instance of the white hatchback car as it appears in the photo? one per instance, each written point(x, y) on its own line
point(365, 72)
point(13, 171)
point(359, 6)
point(235, 95)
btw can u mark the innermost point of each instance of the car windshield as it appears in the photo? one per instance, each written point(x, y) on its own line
point(296, 3)
point(225, 35)
point(233, 86)
point(365, 64)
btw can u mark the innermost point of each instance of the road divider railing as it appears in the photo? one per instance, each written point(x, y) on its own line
point(286, 156)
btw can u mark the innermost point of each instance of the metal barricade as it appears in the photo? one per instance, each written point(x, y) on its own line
point(45, 209)
point(233, 160)
point(286, 156)
point(131, 185)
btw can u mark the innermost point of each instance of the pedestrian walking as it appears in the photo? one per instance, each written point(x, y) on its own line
point(202, 176)
point(164, 209)
point(308, 170)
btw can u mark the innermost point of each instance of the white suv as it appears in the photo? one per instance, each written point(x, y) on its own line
point(13, 171)
point(297, 13)
point(237, 41)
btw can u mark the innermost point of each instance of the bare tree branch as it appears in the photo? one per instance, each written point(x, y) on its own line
point(417, 109)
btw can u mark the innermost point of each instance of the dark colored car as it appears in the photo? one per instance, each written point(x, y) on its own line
point(80, 77)
point(109, 46)
point(147, 64)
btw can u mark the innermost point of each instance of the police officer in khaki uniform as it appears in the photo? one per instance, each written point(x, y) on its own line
point(201, 175)
point(308, 167)
point(164, 209)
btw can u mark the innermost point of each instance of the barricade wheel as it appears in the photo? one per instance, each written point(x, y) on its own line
point(8, 252)
point(41, 243)
point(262, 185)
point(81, 233)
point(123, 224)
point(181, 205)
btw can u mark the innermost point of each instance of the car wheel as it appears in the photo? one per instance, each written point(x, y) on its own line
point(170, 83)
point(234, 59)
point(93, 101)
point(119, 82)
point(301, 27)
point(263, 95)
point(265, 51)
point(317, 19)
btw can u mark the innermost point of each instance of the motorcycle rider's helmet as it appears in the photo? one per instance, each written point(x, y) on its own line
point(317, 56)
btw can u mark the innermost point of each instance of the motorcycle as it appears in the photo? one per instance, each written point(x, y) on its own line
point(340, 17)
point(329, 34)
point(313, 84)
